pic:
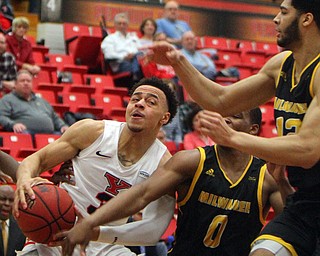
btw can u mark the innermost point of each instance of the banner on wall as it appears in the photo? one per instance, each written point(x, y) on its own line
point(50, 10)
point(222, 23)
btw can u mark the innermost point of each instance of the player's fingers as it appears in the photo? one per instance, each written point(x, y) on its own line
point(83, 249)
point(39, 180)
point(60, 236)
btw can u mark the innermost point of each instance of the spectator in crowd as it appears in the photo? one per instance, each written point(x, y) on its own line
point(162, 135)
point(184, 111)
point(20, 47)
point(8, 69)
point(195, 138)
point(148, 29)
point(21, 111)
point(200, 61)
point(6, 16)
point(121, 48)
point(173, 129)
point(12, 238)
point(170, 25)
point(150, 68)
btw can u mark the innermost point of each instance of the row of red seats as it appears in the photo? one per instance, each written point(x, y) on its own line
point(20, 145)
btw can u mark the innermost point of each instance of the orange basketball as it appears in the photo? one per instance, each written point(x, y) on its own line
point(51, 211)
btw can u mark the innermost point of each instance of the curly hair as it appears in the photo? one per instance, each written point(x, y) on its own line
point(160, 84)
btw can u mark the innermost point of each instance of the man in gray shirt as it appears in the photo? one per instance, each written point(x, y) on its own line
point(21, 111)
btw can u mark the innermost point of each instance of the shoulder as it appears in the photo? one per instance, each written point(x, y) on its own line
point(84, 132)
point(8, 55)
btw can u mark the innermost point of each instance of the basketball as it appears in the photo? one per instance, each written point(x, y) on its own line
point(51, 211)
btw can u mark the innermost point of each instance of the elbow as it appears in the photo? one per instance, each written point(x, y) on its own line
point(308, 158)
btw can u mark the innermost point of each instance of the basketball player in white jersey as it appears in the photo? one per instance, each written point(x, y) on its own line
point(109, 157)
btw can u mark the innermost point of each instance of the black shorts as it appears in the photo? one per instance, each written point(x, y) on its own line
point(298, 225)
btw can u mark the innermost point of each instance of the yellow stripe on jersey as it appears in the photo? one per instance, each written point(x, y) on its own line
point(281, 73)
point(288, 246)
point(195, 177)
point(259, 193)
point(311, 90)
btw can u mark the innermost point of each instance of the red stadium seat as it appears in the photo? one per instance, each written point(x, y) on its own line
point(215, 42)
point(42, 140)
point(228, 58)
point(65, 63)
point(81, 102)
point(81, 54)
point(268, 48)
point(71, 33)
point(253, 59)
point(171, 146)
point(112, 104)
point(20, 144)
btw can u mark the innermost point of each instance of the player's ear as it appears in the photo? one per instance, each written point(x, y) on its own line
point(165, 118)
point(307, 18)
point(254, 129)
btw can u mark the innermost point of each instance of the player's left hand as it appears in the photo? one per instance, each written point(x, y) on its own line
point(216, 127)
point(80, 234)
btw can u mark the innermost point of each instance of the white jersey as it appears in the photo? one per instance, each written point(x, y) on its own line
point(99, 176)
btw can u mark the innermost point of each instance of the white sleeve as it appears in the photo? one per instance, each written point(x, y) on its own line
point(148, 231)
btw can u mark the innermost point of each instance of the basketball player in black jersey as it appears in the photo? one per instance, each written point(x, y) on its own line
point(293, 78)
point(224, 196)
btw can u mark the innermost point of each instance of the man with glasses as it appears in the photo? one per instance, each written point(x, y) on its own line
point(170, 25)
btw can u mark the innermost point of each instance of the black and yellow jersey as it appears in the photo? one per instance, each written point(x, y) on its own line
point(291, 103)
point(217, 216)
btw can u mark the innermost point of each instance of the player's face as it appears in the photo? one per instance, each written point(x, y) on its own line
point(147, 109)
point(24, 84)
point(6, 202)
point(240, 122)
point(287, 22)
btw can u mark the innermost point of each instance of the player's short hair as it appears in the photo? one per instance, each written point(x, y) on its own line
point(160, 84)
point(255, 116)
point(312, 6)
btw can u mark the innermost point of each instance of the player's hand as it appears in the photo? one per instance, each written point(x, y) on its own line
point(278, 172)
point(81, 233)
point(24, 191)
point(5, 178)
point(164, 53)
point(216, 127)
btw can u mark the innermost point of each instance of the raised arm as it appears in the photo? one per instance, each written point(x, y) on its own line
point(227, 100)
point(76, 138)
point(301, 149)
point(164, 181)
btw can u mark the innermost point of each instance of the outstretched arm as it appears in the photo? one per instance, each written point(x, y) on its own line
point(76, 138)
point(148, 231)
point(164, 180)
point(227, 100)
point(8, 165)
